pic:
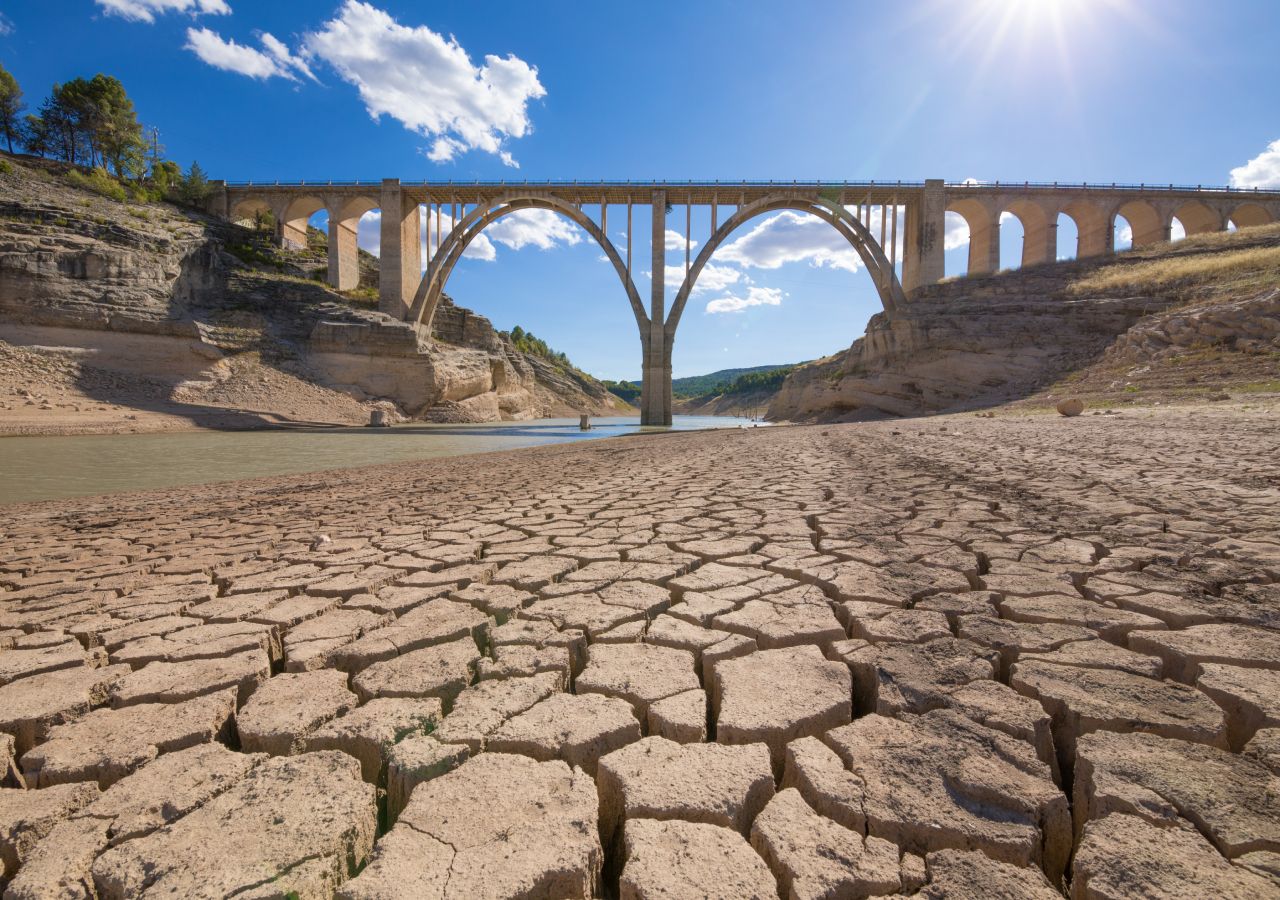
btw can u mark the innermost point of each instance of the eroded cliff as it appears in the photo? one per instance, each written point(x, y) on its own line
point(1185, 320)
point(143, 316)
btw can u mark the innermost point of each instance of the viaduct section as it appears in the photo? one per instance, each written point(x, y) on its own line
point(896, 229)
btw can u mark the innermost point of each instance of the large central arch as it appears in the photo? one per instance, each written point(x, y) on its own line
point(427, 298)
point(837, 216)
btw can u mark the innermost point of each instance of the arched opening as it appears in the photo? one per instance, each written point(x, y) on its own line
point(849, 226)
point(1197, 218)
point(955, 245)
point(294, 218)
point(777, 286)
point(984, 236)
point(471, 226)
point(1039, 233)
point(344, 217)
point(537, 272)
point(1012, 241)
point(252, 212)
point(1177, 231)
point(1067, 242)
point(1146, 226)
point(1123, 234)
point(1093, 232)
point(1250, 215)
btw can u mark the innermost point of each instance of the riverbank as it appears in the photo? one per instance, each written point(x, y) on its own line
point(1003, 627)
point(49, 466)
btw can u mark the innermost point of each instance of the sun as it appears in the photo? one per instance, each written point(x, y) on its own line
point(1027, 35)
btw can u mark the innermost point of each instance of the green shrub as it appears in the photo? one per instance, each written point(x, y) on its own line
point(5, 167)
point(99, 182)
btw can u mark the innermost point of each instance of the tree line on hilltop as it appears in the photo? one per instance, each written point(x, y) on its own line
point(92, 124)
point(730, 383)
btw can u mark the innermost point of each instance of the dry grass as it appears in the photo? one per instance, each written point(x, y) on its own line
point(1226, 272)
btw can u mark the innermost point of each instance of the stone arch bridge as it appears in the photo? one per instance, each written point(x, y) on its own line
point(877, 219)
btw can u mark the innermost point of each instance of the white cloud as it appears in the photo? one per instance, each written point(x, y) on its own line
point(445, 148)
point(1124, 234)
point(675, 241)
point(273, 61)
point(756, 296)
point(369, 232)
point(287, 61)
point(1263, 171)
point(540, 228)
point(791, 237)
point(147, 10)
point(714, 278)
point(6, 25)
point(428, 82)
point(955, 231)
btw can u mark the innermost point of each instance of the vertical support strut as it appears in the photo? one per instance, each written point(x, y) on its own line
point(688, 231)
point(655, 390)
point(893, 237)
point(628, 237)
point(713, 214)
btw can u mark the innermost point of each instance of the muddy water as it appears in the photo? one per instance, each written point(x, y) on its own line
point(42, 468)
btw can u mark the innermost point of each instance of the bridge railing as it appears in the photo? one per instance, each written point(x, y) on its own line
point(950, 186)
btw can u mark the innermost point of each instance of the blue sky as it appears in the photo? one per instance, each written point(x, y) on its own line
point(1068, 90)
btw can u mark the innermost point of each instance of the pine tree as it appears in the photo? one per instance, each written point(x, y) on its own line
point(195, 186)
point(10, 106)
point(34, 135)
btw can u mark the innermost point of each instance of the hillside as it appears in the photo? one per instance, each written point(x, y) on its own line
point(123, 315)
point(748, 394)
point(1198, 319)
point(716, 382)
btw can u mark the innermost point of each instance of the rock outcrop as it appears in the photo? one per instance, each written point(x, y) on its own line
point(972, 342)
point(1062, 330)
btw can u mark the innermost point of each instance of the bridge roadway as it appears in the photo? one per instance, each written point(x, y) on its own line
point(897, 229)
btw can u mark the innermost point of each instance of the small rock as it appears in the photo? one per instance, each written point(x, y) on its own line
point(1070, 407)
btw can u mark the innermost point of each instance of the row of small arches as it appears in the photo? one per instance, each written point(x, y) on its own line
point(1023, 233)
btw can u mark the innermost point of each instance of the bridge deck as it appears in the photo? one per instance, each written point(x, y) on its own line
point(728, 192)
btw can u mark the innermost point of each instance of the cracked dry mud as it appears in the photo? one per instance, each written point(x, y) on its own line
point(943, 658)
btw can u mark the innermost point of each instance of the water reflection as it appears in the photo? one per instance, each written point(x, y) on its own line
point(37, 468)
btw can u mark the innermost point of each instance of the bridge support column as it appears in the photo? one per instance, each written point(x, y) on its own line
point(984, 247)
point(344, 255)
point(400, 262)
point(655, 388)
point(922, 261)
point(1096, 236)
point(1040, 244)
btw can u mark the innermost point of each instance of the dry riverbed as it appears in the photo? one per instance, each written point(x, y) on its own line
point(947, 657)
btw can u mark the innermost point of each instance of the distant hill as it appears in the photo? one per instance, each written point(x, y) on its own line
point(717, 382)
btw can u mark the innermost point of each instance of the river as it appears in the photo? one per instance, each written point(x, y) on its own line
point(43, 468)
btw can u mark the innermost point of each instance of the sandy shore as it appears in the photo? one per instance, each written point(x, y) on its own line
point(1029, 655)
